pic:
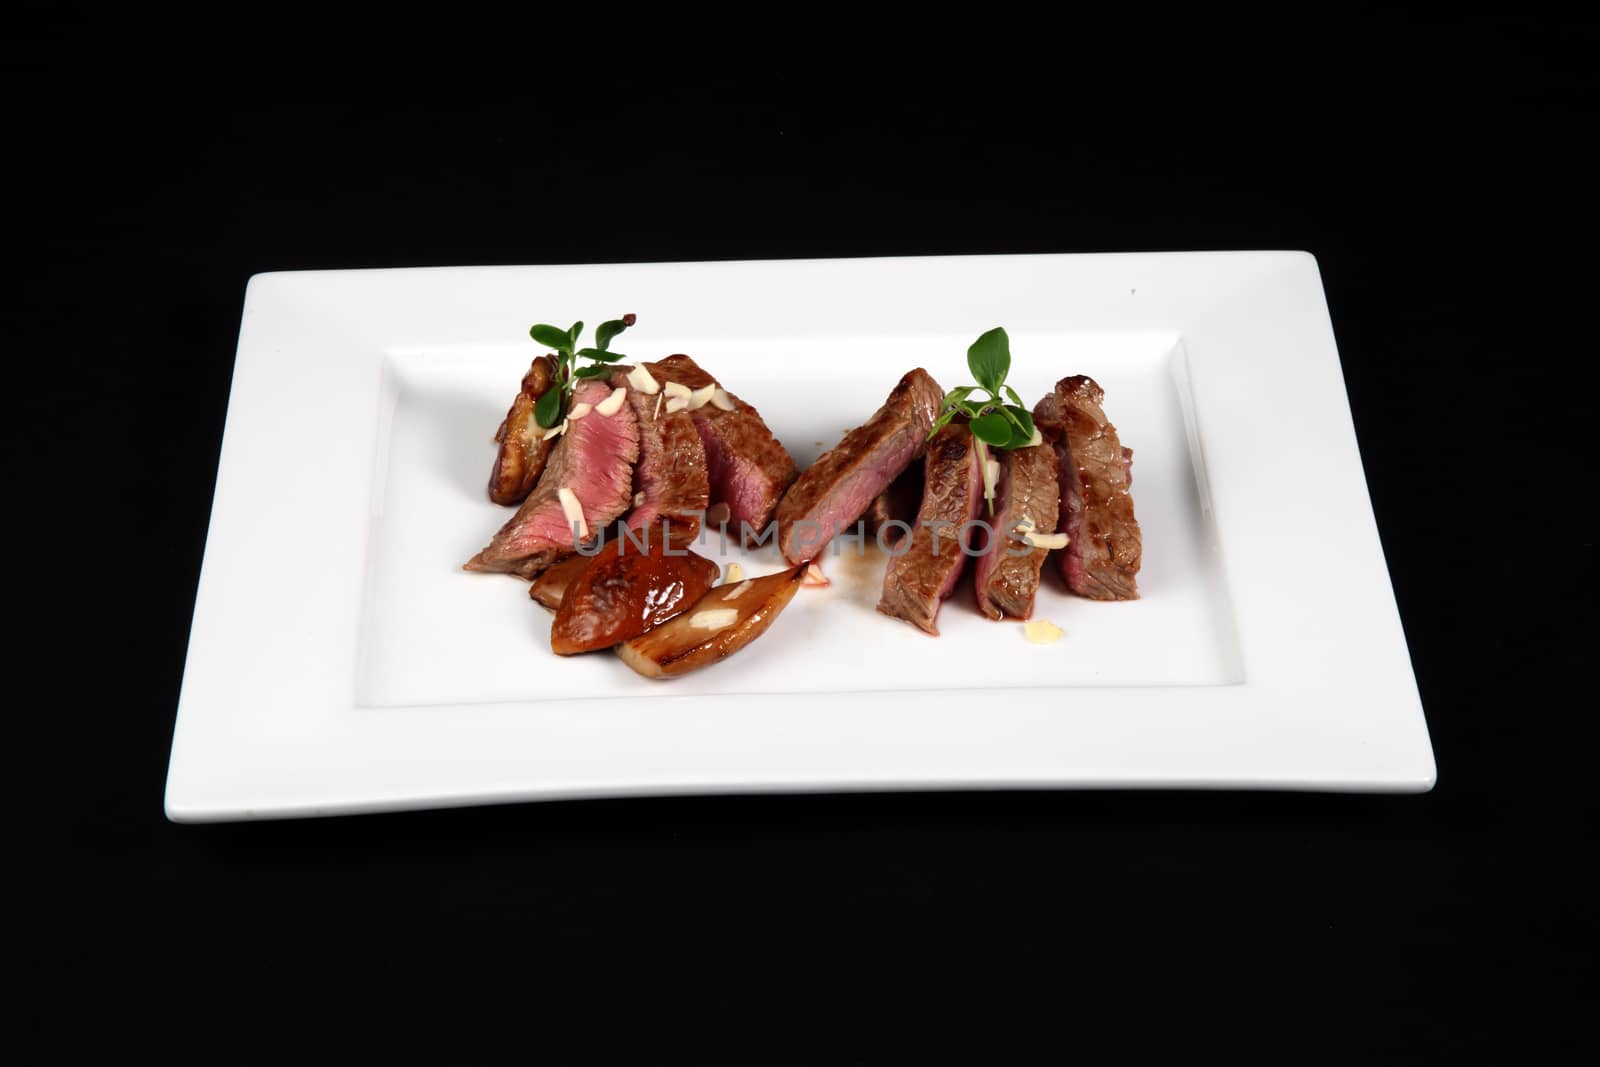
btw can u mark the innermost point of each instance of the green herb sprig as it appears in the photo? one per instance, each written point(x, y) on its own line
point(992, 420)
point(552, 406)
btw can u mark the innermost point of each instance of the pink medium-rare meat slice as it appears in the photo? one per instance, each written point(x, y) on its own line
point(1104, 546)
point(747, 466)
point(839, 487)
point(1005, 577)
point(670, 483)
point(921, 577)
point(594, 458)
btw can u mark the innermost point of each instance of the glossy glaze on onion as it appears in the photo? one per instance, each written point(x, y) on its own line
point(721, 623)
point(624, 592)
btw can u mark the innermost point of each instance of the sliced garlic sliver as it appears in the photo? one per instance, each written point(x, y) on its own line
point(613, 403)
point(572, 510)
point(678, 389)
point(638, 498)
point(677, 403)
point(640, 379)
point(659, 398)
point(1039, 540)
point(1035, 439)
point(722, 400)
point(992, 473)
point(579, 411)
point(701, 397)
point(737, 591)
point(814, 576)
point(714, 618)
point(1042, 631)
point(553, 432)
point(735, 572)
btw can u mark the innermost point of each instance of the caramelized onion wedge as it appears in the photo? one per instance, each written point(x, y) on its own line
point(551, 586)
point(623, 592)
point(681, 645)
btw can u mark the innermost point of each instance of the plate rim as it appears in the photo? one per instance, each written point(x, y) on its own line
point(293, 319)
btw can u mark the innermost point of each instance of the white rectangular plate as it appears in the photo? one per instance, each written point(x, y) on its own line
point(341, 661)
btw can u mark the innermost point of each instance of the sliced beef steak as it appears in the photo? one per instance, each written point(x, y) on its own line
point(747, 466)
point(841, 485)
point(671, 484)
point(919, 579)
point(1007, 577)
point(594, 459)
point(1101, 560)
point(523, 449)
point(897, 504)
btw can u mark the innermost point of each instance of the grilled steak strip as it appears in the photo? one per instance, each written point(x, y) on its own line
point(898, 503)
point(838, 488)
point(671, 482)
point(919, 579)
point(747, 466)
point(1101, 560)
point(523, 451)
point(594, 458)
point(1005, 578)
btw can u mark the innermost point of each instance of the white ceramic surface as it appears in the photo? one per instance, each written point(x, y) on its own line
point(341, 661)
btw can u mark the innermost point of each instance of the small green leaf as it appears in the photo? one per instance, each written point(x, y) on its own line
point(547, 412)
point(1021, 420)
point(609, 329)
point(551, 337)
point(941, 422)
point(1015, 399)
point(594, 370)
point(992, 429)
point(989, 359)
point(573, 334)
point(959, 394)
point(599, 356)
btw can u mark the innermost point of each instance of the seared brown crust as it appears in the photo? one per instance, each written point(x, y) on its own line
point(841, 485)
point(897, 504)
point(683, 370)
point(1101, 561)
point(748, 467)
point(918, 580)
point(521, 457)
point(1008, 582)
point(671, 482)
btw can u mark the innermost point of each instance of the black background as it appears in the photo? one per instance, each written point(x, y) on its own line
point(1433, 169)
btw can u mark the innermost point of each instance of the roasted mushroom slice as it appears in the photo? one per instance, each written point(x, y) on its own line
point(624, 591)
point(550, 586)
point(523, 445)
point(720, 624)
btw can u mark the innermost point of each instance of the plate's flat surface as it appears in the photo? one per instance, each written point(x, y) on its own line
point(340, 660)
